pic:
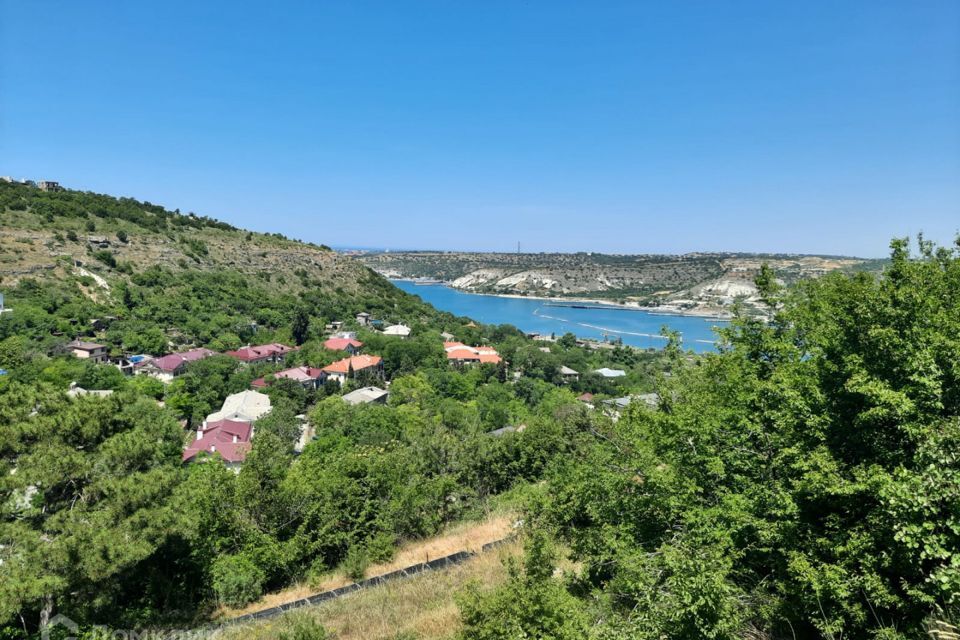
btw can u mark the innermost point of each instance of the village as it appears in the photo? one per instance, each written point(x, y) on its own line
point(227, 434)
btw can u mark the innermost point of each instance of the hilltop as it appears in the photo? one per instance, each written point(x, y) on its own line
point(694, 282)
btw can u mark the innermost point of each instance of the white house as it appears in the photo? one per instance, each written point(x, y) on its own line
point(399, 330)
point(246, 406)
point(611, 373)
point(366, 395)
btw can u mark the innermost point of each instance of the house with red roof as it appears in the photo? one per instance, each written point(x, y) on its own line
point(172, 365)
point(341, 370)
point(228, 439)
point(309, 377)
point(273, 353)
point(461, 354)
point(350, 345)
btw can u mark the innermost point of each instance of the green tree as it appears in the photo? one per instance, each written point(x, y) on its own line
point(300, 329)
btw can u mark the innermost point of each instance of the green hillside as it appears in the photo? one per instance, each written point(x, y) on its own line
point(801, 482)
point(158, 280)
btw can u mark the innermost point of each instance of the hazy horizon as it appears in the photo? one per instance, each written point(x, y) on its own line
point(613, 127)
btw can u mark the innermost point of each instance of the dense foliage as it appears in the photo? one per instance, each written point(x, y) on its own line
point(804, 482)
point(99, 519)
point(86, 205)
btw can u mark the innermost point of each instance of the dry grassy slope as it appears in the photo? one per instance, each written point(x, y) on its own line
point(422, 607)
point(30, 246)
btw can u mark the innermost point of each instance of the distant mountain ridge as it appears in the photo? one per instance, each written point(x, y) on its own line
point(695, 282)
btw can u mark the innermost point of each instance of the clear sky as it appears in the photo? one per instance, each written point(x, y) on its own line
point(815, 127)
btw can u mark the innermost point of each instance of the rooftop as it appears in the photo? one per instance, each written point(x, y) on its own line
point(357, 363)
point(366, 395)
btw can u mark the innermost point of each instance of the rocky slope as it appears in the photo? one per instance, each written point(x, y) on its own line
point(698, 282)
point(48, 234)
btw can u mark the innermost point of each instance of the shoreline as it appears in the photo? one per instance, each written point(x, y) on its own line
point(660, 311)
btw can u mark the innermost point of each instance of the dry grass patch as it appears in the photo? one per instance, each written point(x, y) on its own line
point(466, 536)
point(423, 606)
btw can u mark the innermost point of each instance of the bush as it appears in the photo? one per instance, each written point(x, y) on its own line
point(356, 562)
point(122, 236)
point(237, 581)
point(304, 629)
point(533, 604)
point(105, 257)
point(381, 547)
point(72, 235)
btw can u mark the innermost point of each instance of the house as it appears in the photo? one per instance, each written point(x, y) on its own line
point(366, 395)
point(132, 365)
point(569, 374)
point(586, 398)
point(336, 325)
point(245, 406)
point(611, 373)
point(447, 336)
point(308, 377)
point(618, 404)
point(401, 331)
point(363, 318)
point(350, 345)
point(461, 354)
point(88, 350)
point(229, 439)
point(349, 335)
point(171, 365)
point(48, 185)
point(76, 391)
point(273, 353)
point(343, 369)
point(651, 400)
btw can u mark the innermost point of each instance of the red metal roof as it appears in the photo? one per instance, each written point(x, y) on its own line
point(229, 438)
point(358, 363)
point(300, 374)
point(260, 352)
point(341, 344)
point(172, 361)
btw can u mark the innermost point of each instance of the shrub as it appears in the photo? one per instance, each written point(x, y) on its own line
point(72, 235)
point(304, 629)
point(105, 257)
point(122, 236)
point(237, 581)
point(356, 562)
point(381, 547)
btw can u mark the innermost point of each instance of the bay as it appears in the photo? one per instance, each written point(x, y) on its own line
point(598, 322)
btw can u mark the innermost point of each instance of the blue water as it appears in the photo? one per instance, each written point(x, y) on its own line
point(637, 328)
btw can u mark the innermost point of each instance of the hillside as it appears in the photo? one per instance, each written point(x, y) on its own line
point(42, 233)
point(704, 282)
point(147, 280)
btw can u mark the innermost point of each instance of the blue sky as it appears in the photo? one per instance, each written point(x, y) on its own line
point(815, 127)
